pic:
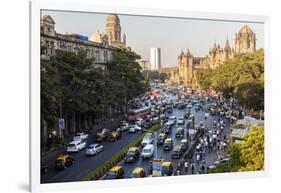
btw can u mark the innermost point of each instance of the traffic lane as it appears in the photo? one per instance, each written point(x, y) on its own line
point(85, 164)
point(159, 152)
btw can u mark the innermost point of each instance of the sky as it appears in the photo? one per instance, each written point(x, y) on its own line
point(170, 34)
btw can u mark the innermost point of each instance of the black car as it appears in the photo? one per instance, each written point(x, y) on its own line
point(167, 128)
point(161, 138)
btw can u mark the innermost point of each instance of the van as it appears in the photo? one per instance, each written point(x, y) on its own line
point(75, 146)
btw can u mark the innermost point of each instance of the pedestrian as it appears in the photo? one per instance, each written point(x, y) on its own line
point(198, 158)
point(186, 167)
point(178, 172)
point(192, 168)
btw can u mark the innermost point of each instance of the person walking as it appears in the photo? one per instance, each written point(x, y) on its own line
point(186, 167)
point(192, 168)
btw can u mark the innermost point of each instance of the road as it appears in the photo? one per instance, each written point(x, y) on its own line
point(166, 155)
point(84, 164)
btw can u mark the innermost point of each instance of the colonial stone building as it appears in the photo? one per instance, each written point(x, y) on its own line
point(112, 34)
point(245, 42)
point(51, 41)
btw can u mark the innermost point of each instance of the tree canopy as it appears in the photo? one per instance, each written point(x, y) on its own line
point(241, 77)
point(247, 155)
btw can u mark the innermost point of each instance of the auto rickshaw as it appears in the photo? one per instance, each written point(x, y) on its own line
point(138, 172)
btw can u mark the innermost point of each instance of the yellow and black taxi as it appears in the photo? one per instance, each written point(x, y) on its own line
point(138, 172)
point(167, 168)
point(63, 161)
point(161, 138)
point(114, 136)
point(177, 151)
point(132, 155)
point(117, 172)
point(168, 144)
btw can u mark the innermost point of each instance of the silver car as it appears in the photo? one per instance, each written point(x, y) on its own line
point(94, 149)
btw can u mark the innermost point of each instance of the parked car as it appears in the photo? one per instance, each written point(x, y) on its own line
point(177, 152)
point(179, 132)
point(181, 121)
point(167, 168)
point(80, 136)
point(132, 155)
point(147, 151)
point(102, 135)
point(161, 138)
point(75, 146)
point(63, 161)
point(124, 126)
point(168, 144)
point(134, 128)
point(147, 139)
point(116, 172)
point(114, 136)
point(138, 172)
point(94, 149)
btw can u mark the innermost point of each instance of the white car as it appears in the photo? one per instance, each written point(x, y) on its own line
point(75, 146)
point(134, 128)
point(94, 149)
point(147, 151)
point(180, 121)
point(172, 119)
point(124, 126)
point(80, 136)
point(147, 139)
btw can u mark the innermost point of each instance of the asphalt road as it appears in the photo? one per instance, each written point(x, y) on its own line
point(84, 164)
point(160, 153)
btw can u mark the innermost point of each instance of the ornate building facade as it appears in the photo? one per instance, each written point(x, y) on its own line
point(51, 41)
point(245, 42)
point(112, 34)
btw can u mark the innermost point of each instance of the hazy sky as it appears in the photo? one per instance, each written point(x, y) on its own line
point(170, 34)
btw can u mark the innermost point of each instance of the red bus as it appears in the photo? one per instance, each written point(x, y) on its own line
point(135, 114)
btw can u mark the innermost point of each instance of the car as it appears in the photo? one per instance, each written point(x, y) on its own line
point(114, 136)
point(167, 128)
point(138, 172)
point(134, 128)
point(147, 139)
point(184, 143)
point(140, 122)
point(197, 107)
point(102, 135)
point(177, 151)
point(94, 149)
point(124, 126)
point(181, 121)
point(80, 136)
point(161, 138)
point(179, 132)
point(147, 151)
point(168, 144)
point(172, 119)
point(75, 146)
point(167, 168)
point(132, 155)
point(63, 161)
point(116, 172)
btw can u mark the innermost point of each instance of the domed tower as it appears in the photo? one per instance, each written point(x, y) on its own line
point(113, 30)
point(245, 41)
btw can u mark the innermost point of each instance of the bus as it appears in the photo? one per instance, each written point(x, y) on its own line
point(136, 114)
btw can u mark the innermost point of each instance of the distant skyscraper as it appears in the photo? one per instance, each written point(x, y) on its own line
point(155, 58)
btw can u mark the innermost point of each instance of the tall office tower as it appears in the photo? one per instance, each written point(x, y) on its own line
point(155, 58)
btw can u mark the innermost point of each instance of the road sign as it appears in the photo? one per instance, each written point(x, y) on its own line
point(61, 123)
